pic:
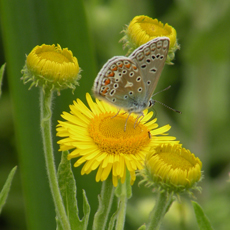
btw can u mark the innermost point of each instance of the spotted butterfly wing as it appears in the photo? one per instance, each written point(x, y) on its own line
point(150, 58)
point(129, 82)
point(119, 82)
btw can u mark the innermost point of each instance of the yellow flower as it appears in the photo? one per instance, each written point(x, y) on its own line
point(51, 67)
point(98, 139)
point(143, 29)
point(172, 168)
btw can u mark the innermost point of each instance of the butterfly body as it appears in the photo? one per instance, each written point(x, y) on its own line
point(129, 82)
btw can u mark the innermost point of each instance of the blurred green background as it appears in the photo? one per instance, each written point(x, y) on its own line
point(200, 80)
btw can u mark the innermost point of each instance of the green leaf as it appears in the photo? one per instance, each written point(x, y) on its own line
point(142, 227)
point(6, 188)
point(119, 191)
point(2, 69)
point(68, 190)
point(201, 218)
point(25, 24)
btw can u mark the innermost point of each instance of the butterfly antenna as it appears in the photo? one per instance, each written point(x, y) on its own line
point(168, 107)
point(162, 90)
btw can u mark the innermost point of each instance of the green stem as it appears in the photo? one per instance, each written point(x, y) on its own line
point(122, 201)
point(162, 205)
point(45, 99)
point(105, 203)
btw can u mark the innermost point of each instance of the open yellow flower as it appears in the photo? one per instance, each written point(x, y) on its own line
point(98, 139)
point(51, 67)
point(143, 29)
point(172, 168)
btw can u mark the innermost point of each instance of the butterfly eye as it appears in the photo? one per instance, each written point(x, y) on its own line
point(138, 79)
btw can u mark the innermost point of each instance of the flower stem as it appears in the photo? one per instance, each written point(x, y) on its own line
point(162, 205)
point(105, 203)
point(122, 201)
point(45, 100)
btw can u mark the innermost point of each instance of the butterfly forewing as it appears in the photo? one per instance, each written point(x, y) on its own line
point(120, 83)
point(150, 58)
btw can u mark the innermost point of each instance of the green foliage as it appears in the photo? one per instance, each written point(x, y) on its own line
point(2, 69)
point(200, 89)
point(6, 188)
point(202, 219)
point(68, 190)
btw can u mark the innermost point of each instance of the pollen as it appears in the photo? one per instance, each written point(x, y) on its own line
point(108, 133)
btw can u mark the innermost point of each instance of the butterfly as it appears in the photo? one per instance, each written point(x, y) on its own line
point(129, 82)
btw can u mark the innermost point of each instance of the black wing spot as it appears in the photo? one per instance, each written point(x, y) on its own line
point(138, 79)
point(131, 74)
point(139, 89)
point(130, 92)
point(154, 70)
point(113, 91)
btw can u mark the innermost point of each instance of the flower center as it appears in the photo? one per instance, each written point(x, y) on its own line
point(108, 133)
point(53, 56)
point(153, 30)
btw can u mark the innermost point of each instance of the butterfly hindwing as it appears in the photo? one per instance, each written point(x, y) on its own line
point(119, 82)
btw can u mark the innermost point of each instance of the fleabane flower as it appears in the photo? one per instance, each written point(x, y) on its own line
point(143, 29)
point(172, 168)
point(51, 67)
point(97, 138)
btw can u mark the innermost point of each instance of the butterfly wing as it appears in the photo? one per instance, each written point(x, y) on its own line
point(119, 82)
point(150, 59)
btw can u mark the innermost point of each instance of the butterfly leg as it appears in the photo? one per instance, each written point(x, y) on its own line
point(126, 122)
point(116, 113)
point(136, 123)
